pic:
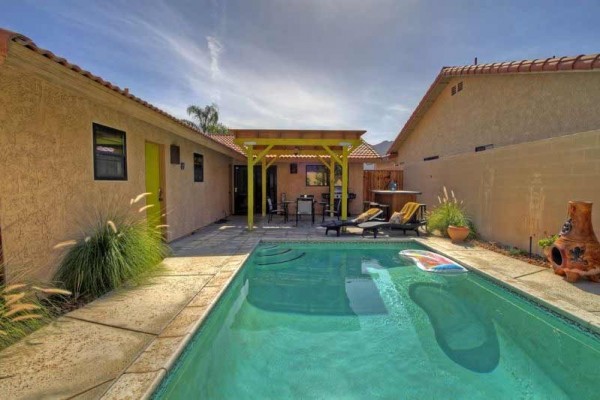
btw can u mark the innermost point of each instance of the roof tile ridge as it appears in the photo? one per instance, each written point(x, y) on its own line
point(6, 37)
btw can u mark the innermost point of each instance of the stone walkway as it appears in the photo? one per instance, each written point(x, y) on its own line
point(120, 346)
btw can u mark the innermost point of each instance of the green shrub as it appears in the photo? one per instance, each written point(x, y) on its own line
point(21, 311)
point(449, 212)
point(115, 250)
point(547, 241)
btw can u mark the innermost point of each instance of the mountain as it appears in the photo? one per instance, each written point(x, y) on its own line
point(382, 148)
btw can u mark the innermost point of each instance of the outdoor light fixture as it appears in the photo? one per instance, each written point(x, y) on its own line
point(296, 150)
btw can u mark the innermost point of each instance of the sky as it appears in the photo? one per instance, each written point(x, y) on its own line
point(298, 64)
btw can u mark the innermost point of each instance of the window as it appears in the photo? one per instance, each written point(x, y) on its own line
point(485, 147)
point(316, 175)
point(459, 86)
point(453, 90)
point(198, 167)
point(110, 154)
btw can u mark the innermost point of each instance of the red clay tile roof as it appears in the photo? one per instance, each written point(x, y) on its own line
point(7, 36)
point(554, 64)
point(363, 152)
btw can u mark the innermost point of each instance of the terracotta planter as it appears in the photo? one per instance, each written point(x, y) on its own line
point(458, 233)
point(576, 252)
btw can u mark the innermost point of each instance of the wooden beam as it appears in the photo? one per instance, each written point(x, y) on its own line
point(345, 184)
point(273, 161)
point(325, 163)
point(263, 153)
point(250, 155)
point(333, 154)
point(263, 186)
point(295, 142)
point(331, 186)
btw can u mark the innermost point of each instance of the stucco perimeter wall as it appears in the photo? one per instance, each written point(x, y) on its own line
point(517, 191)
point(503, 110)
point(47, 189)
point(294, 185)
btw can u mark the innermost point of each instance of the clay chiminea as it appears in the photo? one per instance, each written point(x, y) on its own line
point(576, 252)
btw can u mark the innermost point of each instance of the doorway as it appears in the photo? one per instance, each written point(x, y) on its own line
point(154, 184)
point(240, 188)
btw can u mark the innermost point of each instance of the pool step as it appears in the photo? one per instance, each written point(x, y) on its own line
point(277, 255)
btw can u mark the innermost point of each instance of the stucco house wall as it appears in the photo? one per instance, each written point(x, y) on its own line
point(295, 184)
point(48, 192)
point(545, 131)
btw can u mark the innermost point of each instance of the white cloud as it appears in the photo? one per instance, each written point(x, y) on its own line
point(215, 48)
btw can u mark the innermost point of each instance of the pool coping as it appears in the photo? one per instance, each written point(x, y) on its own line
point(144, 384)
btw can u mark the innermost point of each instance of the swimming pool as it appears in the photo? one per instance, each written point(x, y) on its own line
point(355, 320)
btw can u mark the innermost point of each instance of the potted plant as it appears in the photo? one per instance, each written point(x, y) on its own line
point(450, 218)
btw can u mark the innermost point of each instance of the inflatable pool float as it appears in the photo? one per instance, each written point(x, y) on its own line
point(432, 262)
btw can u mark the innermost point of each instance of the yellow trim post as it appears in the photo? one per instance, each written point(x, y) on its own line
point(264, 186)
point(333, 155)
point(273, 161)
point(250, 154)
point(331, 185)
point(345, 183)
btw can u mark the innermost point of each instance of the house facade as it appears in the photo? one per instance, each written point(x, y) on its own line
point(514, 141)
point(73, 146)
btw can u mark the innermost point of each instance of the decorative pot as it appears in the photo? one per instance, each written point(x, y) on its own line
point(576, 252)
point(458, 233)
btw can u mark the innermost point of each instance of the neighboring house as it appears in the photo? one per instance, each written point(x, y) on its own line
point(516, 141)
point(289, 175)
point(73, 145)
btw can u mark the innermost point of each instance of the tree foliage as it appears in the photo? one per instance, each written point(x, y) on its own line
point(206, 119)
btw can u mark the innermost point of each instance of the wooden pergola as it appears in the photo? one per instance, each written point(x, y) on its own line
point(265, 146)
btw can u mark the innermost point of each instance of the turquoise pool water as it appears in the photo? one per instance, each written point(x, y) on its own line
point(356, 321)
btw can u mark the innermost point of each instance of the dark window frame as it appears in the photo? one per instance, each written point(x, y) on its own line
point(95, 128)
point(201, 178)
point(320, 166)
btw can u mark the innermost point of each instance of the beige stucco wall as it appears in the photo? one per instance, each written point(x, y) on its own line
point(520, 190)
point(48, 192)
point(545, 132)
point(503, 110)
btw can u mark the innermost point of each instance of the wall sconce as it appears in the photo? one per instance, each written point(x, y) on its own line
point(293, 168)
point(296, 150)
point(182, 166)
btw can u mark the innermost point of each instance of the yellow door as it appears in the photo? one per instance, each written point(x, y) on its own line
point(153, 184)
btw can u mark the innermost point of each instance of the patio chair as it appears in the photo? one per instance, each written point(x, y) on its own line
point(275, 211)
point(305, 205)
point(369, 215)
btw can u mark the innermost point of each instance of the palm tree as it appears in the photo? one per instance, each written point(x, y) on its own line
point(206, 119)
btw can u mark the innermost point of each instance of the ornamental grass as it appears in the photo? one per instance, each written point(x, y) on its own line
point(119, 247)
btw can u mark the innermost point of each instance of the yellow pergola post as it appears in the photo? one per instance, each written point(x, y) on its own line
point(250, 154)
point(345, 183)
point(331, 184)
point(264, 186)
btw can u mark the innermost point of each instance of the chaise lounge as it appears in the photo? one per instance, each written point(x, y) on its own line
point(410, 218)
point(336, 226)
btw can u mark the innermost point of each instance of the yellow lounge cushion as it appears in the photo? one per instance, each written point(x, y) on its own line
point(408, 211)
point(367, 215)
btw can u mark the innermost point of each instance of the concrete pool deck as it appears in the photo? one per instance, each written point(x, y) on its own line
point(121, 345)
